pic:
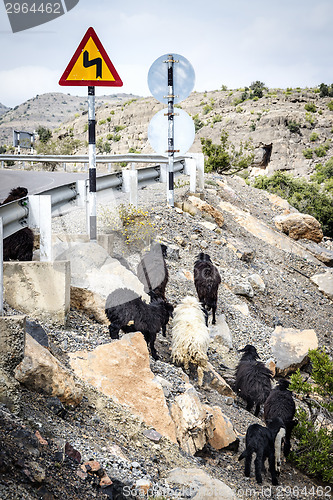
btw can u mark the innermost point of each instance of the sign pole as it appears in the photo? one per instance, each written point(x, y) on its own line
point(92, 163)
point(170, 194)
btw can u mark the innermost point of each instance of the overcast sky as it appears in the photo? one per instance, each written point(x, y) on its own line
point(283, 43)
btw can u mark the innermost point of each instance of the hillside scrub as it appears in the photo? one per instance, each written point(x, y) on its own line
point(307, 197)
point(225, 157)
point(314, 452)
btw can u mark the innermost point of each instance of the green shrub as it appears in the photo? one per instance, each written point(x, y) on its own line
point(44, 134)
point(294, 127)
point(217, 118)
point(307, 197)
point(207, 109)
point(308, 153)
point(118, 128)
point(198, 124)
point(311, 107)
point(314, 452)
point(309, 117)
point(314, 136)
point(225, 157)
point(322, 150)
point(330, 105)
point(323, 173)
point(101, 122)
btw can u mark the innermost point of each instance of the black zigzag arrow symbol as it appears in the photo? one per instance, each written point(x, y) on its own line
point(94, 62)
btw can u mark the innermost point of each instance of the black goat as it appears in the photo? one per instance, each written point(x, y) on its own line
point(152, 270)
point(253, 379)
point(265, 442)
point(206, 281)
point(127, 311)
point(280, 403)
point(18, 246)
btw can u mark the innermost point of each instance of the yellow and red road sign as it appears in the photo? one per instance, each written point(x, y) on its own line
point(90, 65)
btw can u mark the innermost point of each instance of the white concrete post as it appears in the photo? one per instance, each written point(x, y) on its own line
point(1, 267)
point(130, 185)
point(81, 189)
point(40, 215)
point(163, 172)
point(200, 160)
point(191, 170)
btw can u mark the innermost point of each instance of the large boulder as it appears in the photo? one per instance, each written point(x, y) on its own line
point(121, 370)
point(94, 275)
point(324, 281)
point(299, 226)
point(290, 348)
point(42, 372)
point(194, 424)
point(197, 484)
point(223, 433)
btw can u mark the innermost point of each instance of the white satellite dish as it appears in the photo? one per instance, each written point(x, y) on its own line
point(183, 78)
point(184, 132)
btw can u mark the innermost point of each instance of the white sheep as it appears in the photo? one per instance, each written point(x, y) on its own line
point(190, 336)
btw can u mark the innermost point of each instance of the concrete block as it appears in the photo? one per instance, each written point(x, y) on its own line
point(106, 241)
point(39, 289)
point(12, 342)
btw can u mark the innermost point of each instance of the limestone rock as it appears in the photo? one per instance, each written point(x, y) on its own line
point(220, 332)
point(241, 287)
point(290, 348)
point(203, 206)
point(324, 282)
point(214, 380)
point(256, 282)
point(298, 226)
point(121, 370)
point(42, 372)
point(198, 485)
point(223, 433)
point(193, 423)
point(323, 254)
point(94, 275)
point(90, 302)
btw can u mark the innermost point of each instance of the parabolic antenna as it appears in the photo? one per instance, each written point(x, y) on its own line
point(184, 132)
point(183, 78)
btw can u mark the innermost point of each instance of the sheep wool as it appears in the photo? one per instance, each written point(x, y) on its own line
point(190, 336)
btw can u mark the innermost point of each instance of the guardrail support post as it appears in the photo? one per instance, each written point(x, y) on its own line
point(1, 267)
point(191, 170)
point(130, 185)
point(200, 160)
point(81, 189)
point(40, 215)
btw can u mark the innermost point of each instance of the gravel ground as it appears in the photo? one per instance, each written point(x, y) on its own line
point(289, 299)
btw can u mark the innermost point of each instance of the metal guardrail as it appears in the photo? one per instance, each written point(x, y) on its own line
point(15, 214)
point(125, 158)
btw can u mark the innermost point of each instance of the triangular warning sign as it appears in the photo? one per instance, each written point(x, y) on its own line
point(90, 65)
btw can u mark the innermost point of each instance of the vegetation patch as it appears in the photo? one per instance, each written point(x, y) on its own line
point(307, 197)
point(314, 452)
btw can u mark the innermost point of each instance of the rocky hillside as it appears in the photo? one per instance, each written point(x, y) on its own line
point(3, 109)
point(48, 110)
point(289, 129)
point(281, 125)
point(90, 412)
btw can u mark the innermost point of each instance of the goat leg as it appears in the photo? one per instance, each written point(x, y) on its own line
point(114, 331)
point(258, 463)
point(272, 469)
